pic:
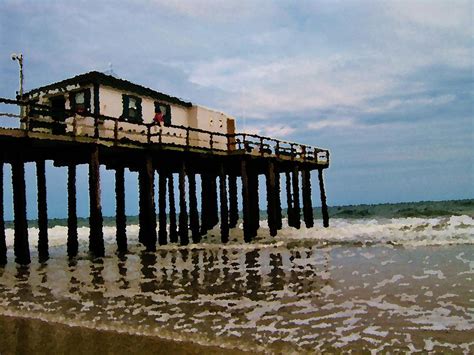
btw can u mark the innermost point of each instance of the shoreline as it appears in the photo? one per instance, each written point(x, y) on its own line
point(29, 335)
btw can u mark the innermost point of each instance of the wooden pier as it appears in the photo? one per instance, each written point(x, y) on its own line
point(244, 156)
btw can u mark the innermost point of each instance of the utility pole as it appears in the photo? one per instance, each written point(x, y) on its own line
point(19, 58)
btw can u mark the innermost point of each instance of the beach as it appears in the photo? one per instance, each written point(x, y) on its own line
point(364, 284)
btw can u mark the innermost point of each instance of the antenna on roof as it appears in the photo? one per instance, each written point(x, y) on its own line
point(110, 71)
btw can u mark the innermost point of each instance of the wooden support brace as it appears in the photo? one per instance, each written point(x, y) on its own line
point(3, 244)
point(183, 213)
point(43, 252)
point(120, 217)
point(246, 201)
point(162, 234)
point(324, 207)
point(21, 244)
point(213, 211)
point(72, 241)
point(271, 198)
point(193, 210)
point(173, 226)
point(224, 207)
point(254, 201)
point(96, 236)
point(149, 211)
point(233, 203)
point(296, 198)
point(307, 201)
point(289, 199)
point(278, 211)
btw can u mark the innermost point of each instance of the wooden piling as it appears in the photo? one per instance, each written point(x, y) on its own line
point(245, 201)
point(43, 252)
point(213, 206)
point(271, 198)
point(96, 236)
point(278, 211)
point(21, 244)
point(324, 207)
point(148, 208)
point(193, 210)
point(204, 203)
point(254, 201)
point(289, 199)
point(233, 203)
point(3, 243)
point(141, 205)
point(183, 213)
point(307, 201)
point(224, 206)
point(296, 198)
point(173, 227)
point(72, 241)
point(120, 216)
point(162, 234)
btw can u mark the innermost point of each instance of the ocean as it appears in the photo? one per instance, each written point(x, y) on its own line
point(381, 278)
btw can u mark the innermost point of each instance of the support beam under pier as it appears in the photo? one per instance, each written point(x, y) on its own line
point(162, 234)
point(3, 244)
point(193, 210)
point(173, 227)
point(271, 198)
point(296, 198)
point(21, 244)
point(72, 242)
point(289, 199)
point(96, 236)
point(147, 201)
point(183, 213)
point(278, 199)
point(246, 201)
point(307, 200)
point(233, 203)
point(43, 252)
point(120, 217)
point(224, 206)
point(324, 207)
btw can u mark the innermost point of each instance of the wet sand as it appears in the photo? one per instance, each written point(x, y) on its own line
point(31, 336)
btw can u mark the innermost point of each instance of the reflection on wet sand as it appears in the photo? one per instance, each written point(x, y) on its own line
point(278, 298)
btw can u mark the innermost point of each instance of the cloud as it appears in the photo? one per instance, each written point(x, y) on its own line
point(331, 123)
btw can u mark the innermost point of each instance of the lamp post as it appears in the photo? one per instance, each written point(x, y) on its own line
point(19, 58)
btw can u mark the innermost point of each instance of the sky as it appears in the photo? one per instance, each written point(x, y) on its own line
point(386, 86)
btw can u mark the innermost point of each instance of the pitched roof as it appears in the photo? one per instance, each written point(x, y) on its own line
point(95, 77)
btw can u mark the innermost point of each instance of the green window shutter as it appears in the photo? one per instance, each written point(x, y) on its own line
point(87, 99)
point(125, 102)
point(139, 110)
point(168, 116)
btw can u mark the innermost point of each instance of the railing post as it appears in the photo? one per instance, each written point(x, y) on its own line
point(292, 151)
point(187, 138)
point(211, 142)
point(261, 146)
point(148, 133)
point(278, 149)
point(116, 131)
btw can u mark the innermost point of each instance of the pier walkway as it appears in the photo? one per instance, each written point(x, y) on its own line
point(70, 138)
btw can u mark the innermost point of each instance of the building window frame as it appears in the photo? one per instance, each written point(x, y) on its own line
point(127, 114)
point(84, 107)
point(167, 116)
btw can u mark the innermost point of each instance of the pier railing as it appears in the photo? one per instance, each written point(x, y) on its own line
point(48, 120)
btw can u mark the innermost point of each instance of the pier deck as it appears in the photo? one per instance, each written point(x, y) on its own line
point(69, 139)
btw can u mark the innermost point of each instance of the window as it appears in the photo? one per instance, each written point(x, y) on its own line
point(132, 109)
point(162, 113)
point(81, 101)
